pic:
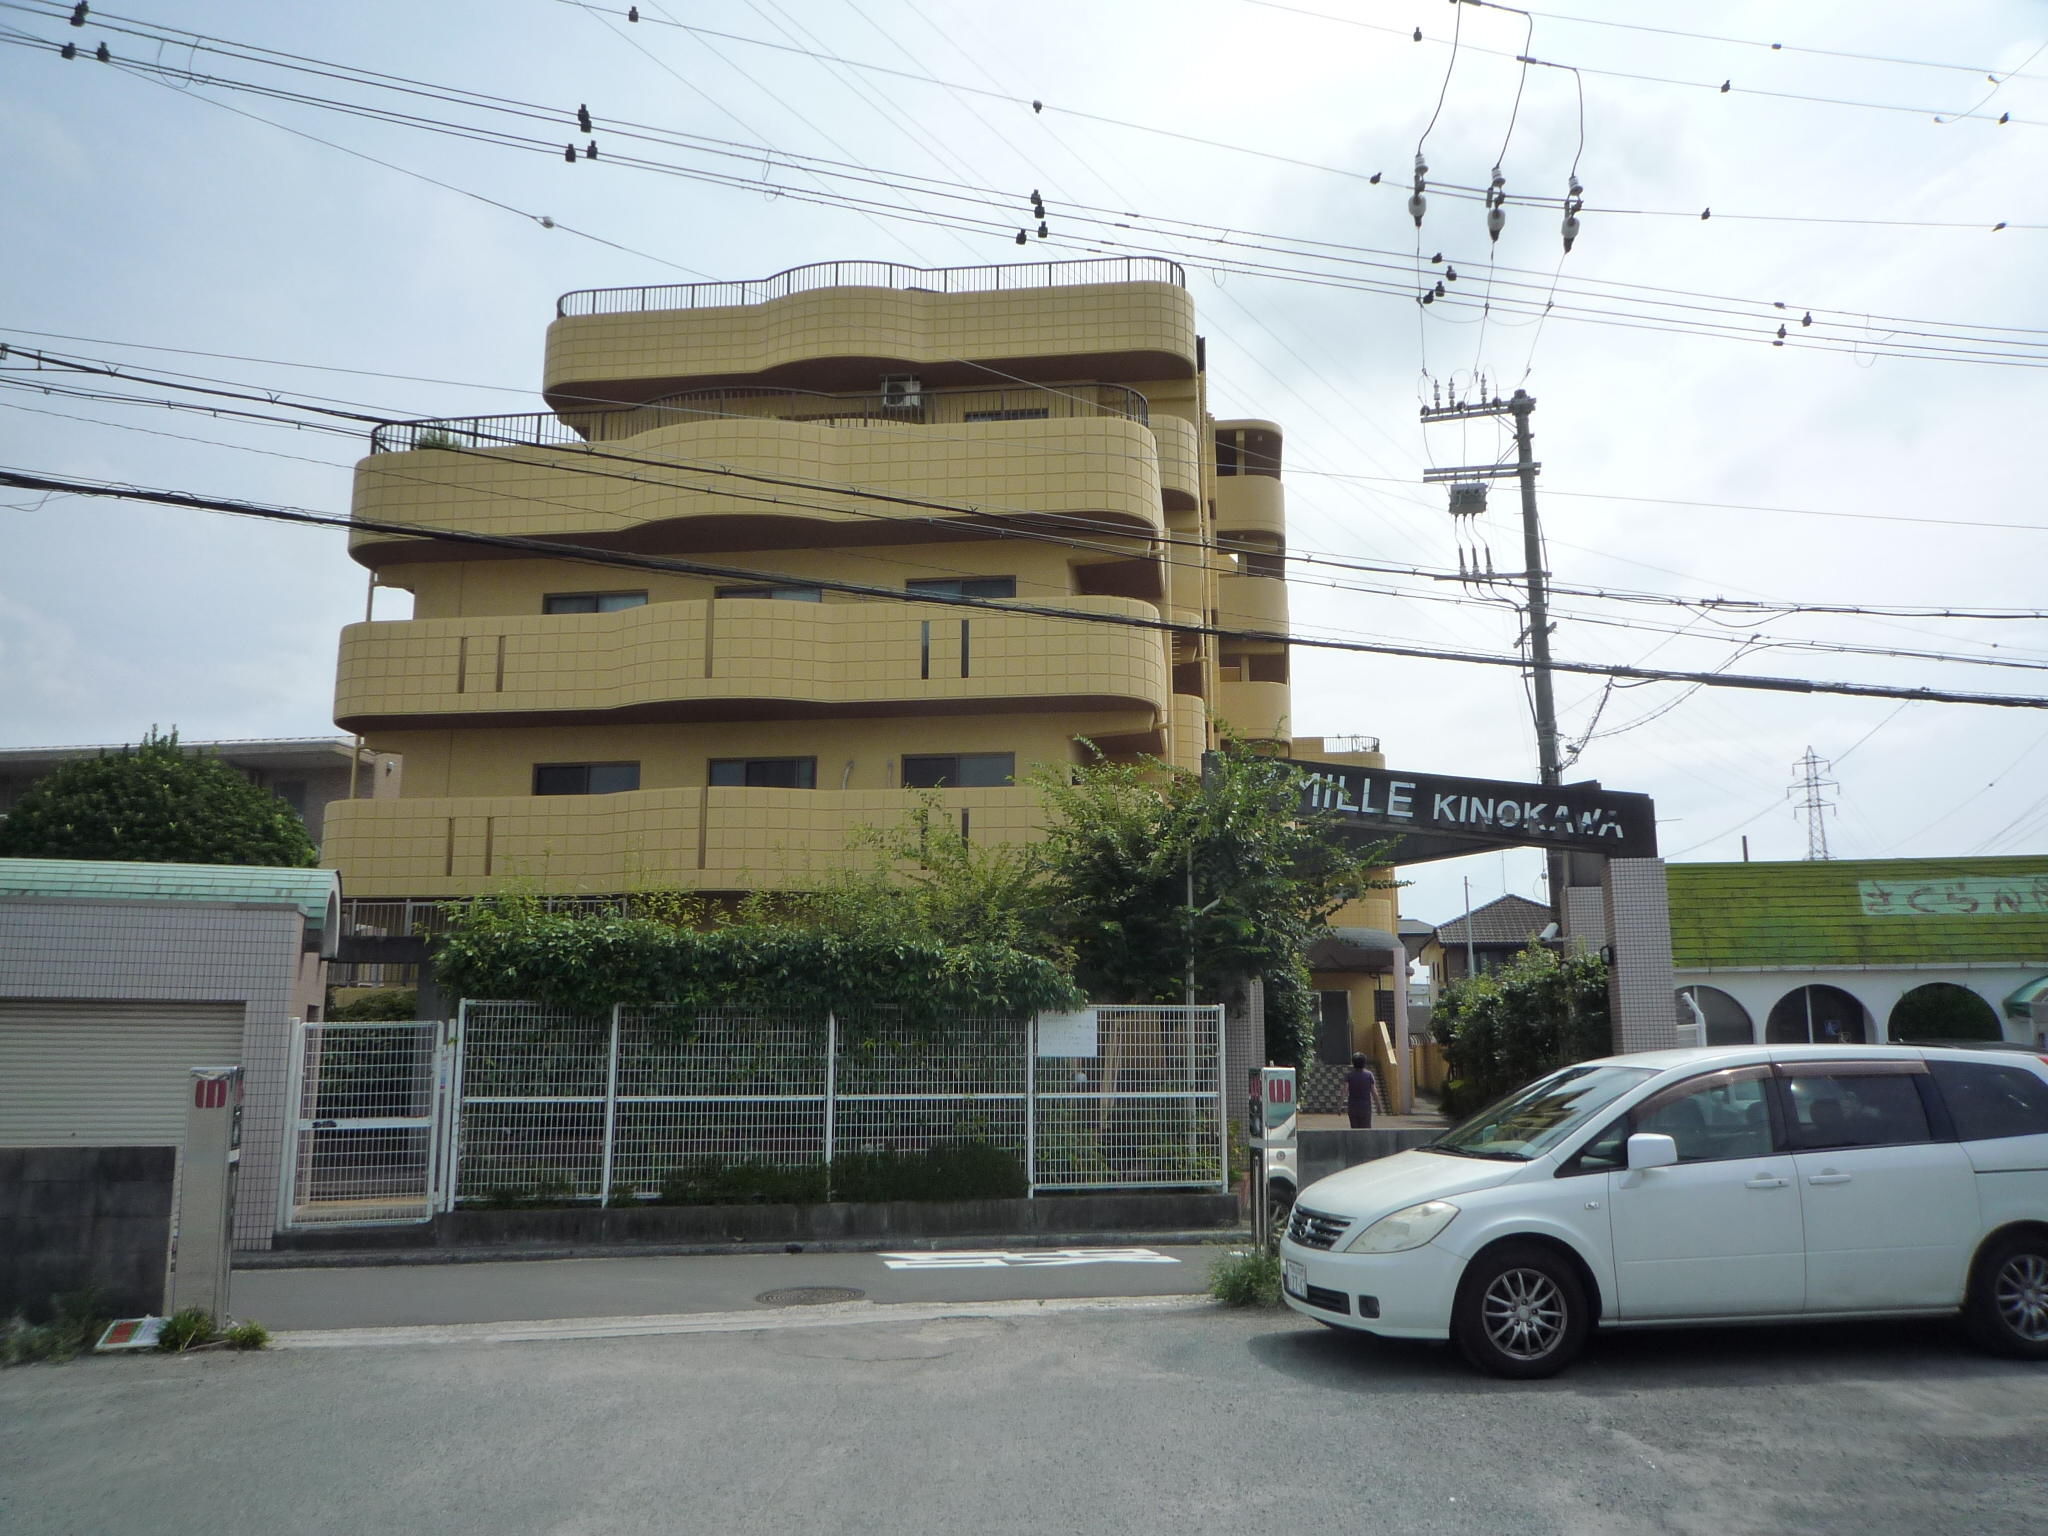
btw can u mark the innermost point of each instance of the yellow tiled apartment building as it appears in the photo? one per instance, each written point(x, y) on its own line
point(1034, 436)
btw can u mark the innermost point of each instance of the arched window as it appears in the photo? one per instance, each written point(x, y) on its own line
point(1941, 1010)
point(1727, 1021)
point(1817, 1015)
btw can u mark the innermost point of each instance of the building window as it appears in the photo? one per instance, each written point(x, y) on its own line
point(585, 778)
point(1018, 414)
point(1815, 1015)
point(971, 770)
point(966, 586)
point(1725, 1021)
point(592, 602)
point(764, 773)
point(777, 594)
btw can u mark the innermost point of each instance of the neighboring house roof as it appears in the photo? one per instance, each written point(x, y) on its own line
point(1506, 920)
point(1357, 949)
point(315, 892)
point(1860, 912)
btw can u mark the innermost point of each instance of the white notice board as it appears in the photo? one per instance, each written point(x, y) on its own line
point(1067, 1034)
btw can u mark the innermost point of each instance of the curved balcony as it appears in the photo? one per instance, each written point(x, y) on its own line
point(1180, 463)
point(745, 659)
point(658, 839)
point(1254, 603)
point(913, 408)
point(1251, 504)
point(1255, 711)
point(846, 336)
point(805, 491)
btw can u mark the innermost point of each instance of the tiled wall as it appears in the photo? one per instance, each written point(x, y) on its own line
point(1639, 987)
point(184, 952)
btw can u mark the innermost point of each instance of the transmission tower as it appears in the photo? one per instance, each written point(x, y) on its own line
point(1811, 788)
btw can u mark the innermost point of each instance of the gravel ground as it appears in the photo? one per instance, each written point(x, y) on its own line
point(1160, 1418)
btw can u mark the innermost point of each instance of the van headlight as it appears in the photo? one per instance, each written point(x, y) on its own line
point(1405, 1229)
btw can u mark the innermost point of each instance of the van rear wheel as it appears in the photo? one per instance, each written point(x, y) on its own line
point(2008, 1306)
point(1521, 1312)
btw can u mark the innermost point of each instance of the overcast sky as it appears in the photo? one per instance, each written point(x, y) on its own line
point(145, 214)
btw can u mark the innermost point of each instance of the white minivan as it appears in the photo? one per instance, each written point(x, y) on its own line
point(1735, 1184)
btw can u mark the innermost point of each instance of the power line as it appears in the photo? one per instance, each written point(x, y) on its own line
point(1094, 531)
point(1753, 322)
point(551, 549)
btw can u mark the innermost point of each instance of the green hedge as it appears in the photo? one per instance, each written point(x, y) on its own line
point(586, 963)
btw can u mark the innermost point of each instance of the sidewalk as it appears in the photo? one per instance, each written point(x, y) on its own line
point(1426, 1121)
point(412, 1295)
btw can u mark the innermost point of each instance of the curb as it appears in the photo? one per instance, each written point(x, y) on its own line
point(832, 1315)
point(379, 1258)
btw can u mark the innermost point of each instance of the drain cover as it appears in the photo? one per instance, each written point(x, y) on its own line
point(809, 1295)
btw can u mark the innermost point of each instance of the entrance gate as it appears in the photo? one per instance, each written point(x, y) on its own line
point(369, 1143)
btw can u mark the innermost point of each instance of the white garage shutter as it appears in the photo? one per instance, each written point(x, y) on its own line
point(91, 1074)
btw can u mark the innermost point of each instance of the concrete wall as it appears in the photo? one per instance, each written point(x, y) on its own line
point(104, 950)
point(73, 1217)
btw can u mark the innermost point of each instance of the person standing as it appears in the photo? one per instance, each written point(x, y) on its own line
point(1360, 1086)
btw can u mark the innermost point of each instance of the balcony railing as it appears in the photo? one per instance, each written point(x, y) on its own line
point(873, 274)
point(929, 407)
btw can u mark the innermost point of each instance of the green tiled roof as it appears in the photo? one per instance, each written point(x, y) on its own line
point(1860, 912)
point(315, 892)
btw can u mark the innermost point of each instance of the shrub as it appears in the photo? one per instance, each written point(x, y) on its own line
point(1537, 1014)
point(392, 1005)
point(1246, 1277)
point(78, 1319)
point(952, 1170)
point(185, 1329)
point(156, 803)
point(251, 1335)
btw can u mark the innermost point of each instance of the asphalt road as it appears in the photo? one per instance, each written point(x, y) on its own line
point(1166, 1419)
point(546, 1288)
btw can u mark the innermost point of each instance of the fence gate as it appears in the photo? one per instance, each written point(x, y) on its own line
point(369, 1142)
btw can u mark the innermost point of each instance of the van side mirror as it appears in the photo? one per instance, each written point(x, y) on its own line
point(1646, 1149)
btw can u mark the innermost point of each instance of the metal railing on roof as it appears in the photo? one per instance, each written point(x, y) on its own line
point(873, 274)
point(929, 407)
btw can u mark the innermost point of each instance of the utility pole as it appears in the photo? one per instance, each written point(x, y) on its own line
point(1812, 786)
point(1468, 497)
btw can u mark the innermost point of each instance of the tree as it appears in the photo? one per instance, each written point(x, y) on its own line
point(1151, 869)
point(1537, 1014)
point(156, 803)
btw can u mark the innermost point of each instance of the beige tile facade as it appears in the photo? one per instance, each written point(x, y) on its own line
point(849, 440)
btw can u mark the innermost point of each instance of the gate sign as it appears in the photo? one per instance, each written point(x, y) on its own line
point(1436, 816)
point(1277, 1100)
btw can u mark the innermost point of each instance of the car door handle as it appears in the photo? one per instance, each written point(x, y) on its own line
point(1828, 1178)
point(1766, 1181)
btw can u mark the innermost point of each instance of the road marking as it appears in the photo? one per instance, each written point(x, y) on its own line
point(1027, 1258)
point(766, 1319)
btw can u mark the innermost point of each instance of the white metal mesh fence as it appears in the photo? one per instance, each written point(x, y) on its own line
point(1144, 1111)
point(554, 1106)
point(364, 1146)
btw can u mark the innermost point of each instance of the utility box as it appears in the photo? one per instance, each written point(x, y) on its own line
point(204, 1220)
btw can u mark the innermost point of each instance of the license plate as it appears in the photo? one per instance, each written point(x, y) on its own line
point(1295, 1277)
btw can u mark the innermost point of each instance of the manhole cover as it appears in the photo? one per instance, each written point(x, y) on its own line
point(809, 1295)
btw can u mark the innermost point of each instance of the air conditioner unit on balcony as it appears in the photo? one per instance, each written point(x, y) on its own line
point(901, 392)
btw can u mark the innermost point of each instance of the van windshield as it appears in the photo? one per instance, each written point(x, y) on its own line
point(1532, 1120)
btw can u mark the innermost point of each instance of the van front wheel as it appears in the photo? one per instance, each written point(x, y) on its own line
point(1521, 1312)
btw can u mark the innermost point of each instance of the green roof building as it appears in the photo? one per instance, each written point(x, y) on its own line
point(1862, 950)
